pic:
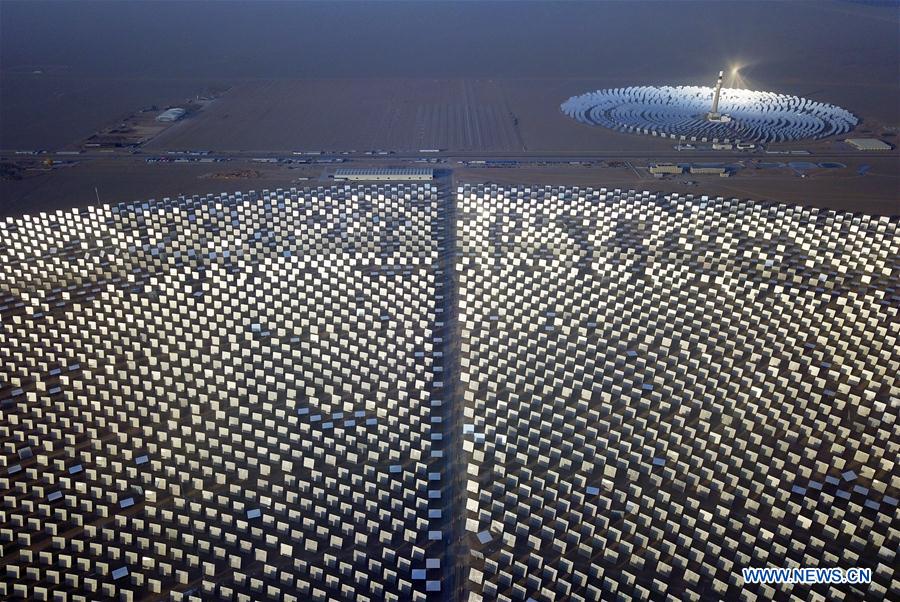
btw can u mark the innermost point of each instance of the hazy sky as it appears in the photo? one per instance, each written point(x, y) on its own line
point(69, 67)
point(475, 38)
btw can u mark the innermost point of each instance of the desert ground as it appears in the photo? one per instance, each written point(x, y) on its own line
point(122, 179)
point(470, 78)
point(475, 115)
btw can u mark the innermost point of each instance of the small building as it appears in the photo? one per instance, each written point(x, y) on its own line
point(380, 174)
point(706, 170)
point(868, 144)
point(169, 115)
point(666, 168)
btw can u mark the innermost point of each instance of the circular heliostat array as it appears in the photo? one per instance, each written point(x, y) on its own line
point(681, 113)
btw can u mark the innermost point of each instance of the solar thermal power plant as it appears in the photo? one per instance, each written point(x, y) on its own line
point(398, 391)
point(233, 397)
point(699, 113)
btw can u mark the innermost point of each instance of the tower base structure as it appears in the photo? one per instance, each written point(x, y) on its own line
point(718, 117)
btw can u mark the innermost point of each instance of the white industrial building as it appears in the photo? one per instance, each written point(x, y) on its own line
point(868, 144)
point(707, 170)
point(396, 174)
point(666, 168)
point(173, 114)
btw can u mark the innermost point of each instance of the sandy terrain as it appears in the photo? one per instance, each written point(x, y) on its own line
point(871, 193)
point(121, 182)
point(410, 114)
point(877, 192)
point(407, 75)
point(129, 179)
point(354, 114)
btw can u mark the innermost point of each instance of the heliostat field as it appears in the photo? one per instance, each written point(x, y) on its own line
point(661, 391)
point(227, 397)
point(396, 392)
point(682, 113)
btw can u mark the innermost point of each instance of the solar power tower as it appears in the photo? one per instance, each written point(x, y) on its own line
point(714, 114)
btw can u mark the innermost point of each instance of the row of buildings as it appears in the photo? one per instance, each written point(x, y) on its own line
point(662, 169)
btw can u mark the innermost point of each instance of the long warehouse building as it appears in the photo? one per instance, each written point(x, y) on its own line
point(408, 174)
